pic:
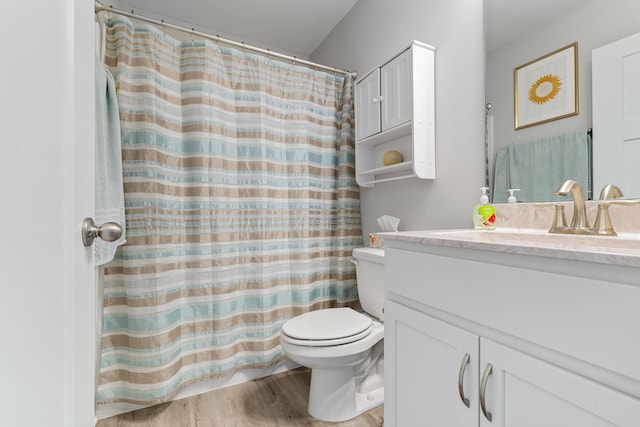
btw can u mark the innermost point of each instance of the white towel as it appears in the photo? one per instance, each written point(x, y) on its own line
point(109, 183)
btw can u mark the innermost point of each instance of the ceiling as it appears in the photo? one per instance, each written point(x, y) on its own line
point(293, 27)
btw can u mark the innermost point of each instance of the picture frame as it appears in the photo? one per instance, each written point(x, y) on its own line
point(546, 88)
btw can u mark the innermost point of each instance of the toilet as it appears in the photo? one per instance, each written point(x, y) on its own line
point(343, 347)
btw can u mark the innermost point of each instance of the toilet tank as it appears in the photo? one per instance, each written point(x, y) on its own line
point(370, 278)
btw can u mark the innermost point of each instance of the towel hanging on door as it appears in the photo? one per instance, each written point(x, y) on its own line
point(108, 162)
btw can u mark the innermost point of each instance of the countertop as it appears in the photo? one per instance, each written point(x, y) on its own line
point(623, 249)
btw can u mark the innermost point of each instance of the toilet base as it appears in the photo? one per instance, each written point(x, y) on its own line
point(333, 396)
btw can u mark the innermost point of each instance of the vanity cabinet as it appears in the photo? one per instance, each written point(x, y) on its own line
point(544, 349)
point(395, 110)
point(525, 391)
point(434, 366)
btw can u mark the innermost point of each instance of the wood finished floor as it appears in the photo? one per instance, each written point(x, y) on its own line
point(278, 400)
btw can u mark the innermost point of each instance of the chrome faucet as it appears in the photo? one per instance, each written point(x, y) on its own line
point(579, 221)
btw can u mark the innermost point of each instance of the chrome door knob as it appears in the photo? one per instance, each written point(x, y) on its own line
point(109, 231)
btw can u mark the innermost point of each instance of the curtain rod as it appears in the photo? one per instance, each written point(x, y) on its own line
point(99, 7)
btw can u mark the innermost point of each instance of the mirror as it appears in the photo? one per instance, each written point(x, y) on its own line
point(520, 31)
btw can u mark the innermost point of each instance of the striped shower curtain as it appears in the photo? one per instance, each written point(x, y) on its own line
point(241, 210)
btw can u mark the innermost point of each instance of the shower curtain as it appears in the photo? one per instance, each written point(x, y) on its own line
point(241, 209)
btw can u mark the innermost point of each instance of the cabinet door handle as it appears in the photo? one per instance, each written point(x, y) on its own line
point(463, 365)
point(483, 388)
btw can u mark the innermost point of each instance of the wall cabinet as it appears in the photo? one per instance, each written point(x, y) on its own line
point(454, 358)
point(395, 110)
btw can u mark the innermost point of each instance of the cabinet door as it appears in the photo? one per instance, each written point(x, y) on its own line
point(368, 106)
point(396, 89)
point(616, 115)
point(424, 361)
point(523, 391)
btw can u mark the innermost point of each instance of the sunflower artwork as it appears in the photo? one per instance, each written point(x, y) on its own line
point(546, 88)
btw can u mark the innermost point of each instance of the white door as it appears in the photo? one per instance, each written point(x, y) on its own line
point(367, 108)
point(47, 307)
point(426, 361)
point(616, 116)
point(396, 90)
point(523, 391)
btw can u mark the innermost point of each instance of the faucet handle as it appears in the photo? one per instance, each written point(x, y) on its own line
point(559, 219)
point(603, 226)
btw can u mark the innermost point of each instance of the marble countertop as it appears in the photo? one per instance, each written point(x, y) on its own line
point(623, 249)
point(523, 229)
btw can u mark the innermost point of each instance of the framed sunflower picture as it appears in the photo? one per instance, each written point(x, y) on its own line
point(546, 88)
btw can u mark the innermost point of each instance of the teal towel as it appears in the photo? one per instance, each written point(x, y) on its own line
point(539, 167)
point(109, 182)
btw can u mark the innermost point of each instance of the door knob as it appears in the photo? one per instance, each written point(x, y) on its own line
point(109, 231)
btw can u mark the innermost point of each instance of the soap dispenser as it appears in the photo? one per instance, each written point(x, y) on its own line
point(512, 196)
point(484, 214)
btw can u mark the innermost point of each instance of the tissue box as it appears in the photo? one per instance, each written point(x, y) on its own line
point(376, 241)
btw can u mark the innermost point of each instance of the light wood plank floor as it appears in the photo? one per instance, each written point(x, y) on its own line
point(277, 400)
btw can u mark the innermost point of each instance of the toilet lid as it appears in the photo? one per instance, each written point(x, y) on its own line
point(327, 324)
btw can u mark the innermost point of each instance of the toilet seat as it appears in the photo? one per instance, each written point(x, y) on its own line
point(327, 327)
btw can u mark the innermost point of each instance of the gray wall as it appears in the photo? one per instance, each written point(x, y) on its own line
point(594, 24)
point(371, 33)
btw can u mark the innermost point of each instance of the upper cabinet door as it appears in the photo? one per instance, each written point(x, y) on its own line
point(368, 102)
point(396, 90)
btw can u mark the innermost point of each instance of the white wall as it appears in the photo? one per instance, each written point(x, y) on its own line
point(46, 308)
point(372, 32)
point(594, 24)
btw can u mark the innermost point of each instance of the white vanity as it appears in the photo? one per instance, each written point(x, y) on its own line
point(511, 328)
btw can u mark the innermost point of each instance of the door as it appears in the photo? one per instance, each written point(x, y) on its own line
point(47, 307)
point(522, 391)
point(396, 89)
point(431, 377)
point(368, 105)
point(616, 115)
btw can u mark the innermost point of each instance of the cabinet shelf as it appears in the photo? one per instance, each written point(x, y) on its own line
point(377, 175)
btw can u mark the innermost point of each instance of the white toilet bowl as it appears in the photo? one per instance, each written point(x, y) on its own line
point(344, 349)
